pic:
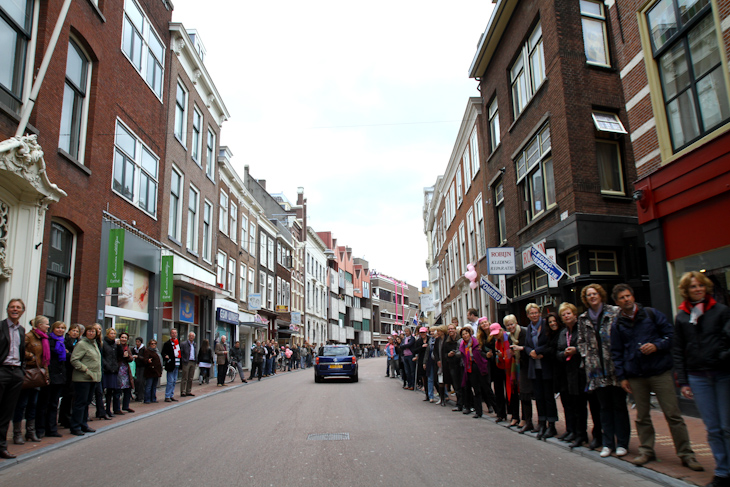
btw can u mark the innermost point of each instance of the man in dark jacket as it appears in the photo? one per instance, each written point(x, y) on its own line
point(641, 341)
point(12, 355)
point(188, 362)
point(171, 362)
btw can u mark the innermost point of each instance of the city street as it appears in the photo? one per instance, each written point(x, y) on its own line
point(257, 434)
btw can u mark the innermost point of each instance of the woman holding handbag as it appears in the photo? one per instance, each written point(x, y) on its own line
point(37, 358)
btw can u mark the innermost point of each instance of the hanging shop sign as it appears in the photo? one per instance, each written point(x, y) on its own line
point(541, 260)
point(115, 262)
point(187, 307)
point(166, 276)
point(501, 260)
point(489, 288)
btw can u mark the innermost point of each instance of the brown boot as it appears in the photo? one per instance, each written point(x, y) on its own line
point(18, 433)
point(30, 431)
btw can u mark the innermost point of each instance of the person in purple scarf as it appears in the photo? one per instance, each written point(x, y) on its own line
point(475, 366)
point(48, 397)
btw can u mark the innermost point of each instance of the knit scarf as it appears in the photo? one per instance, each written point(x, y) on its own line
point(59, 346)
point(516, 341)
point(593, 315)
point(46, 357)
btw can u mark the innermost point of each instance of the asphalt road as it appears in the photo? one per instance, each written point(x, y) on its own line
point(257, 435)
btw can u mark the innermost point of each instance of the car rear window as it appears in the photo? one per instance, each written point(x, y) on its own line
point(334, 351)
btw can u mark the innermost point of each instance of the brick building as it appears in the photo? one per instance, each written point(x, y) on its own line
point(558, 164)
point(673, 63)
point(395, 305)
point(188, 216)
point(98, 118)
point(454, 223)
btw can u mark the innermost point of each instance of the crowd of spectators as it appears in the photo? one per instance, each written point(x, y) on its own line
point(590, 362)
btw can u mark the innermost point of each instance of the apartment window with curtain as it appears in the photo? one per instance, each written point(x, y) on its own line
point(595, 34)
point(479, 215)
point(16, 26)
point(528, 71)
point(688, 57)
point(207, 230)
point(75, 108)
point(193, 205)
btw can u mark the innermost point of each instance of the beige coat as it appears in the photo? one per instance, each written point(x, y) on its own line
point(86, 362)
point(220, 355)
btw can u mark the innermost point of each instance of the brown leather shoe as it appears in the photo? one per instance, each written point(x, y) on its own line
point(6, 454)
point(692, 464)
point(643, 459)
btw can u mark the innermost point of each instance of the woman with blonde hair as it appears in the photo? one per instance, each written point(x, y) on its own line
point(37, 355)
point(701, 354)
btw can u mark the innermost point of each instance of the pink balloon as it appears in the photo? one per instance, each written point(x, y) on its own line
point(470, 267)
point(473, 285)
point(471, 275)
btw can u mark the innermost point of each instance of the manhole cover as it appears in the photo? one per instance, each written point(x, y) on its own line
point(328, 437)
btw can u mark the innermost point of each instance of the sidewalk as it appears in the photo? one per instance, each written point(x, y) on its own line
point(141, 410)
point(667, 462)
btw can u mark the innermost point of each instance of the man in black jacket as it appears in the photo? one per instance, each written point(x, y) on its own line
point(641, 342)
point(12, 353)
point(171, 363)
point(188, 362)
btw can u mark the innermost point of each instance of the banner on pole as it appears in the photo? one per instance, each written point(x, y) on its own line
point(489, 288)
point(166, 276)
point(115, 258)
point(541, 260)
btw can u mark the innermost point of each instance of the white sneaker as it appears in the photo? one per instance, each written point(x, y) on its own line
point(620, 451)
point(606, 452)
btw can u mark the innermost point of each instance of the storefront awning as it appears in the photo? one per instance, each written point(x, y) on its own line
point(252, 324)
point(195, 284)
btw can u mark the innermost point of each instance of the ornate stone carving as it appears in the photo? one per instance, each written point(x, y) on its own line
point(23, 157)
point(196, 76)
point(178, 44)
point(211, 99)
point(5, 270)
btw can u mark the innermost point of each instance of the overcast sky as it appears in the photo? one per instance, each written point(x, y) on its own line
point(358, 103)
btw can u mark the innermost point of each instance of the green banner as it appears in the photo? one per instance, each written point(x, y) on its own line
point(166, 279)
point(115, 263)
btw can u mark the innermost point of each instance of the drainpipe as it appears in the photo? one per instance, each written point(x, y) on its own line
point(28, 106)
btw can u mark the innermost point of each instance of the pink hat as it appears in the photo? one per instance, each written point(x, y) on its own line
point(495, 329)
point(423, 329)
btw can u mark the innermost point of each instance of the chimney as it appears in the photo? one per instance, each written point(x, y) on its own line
point(262, 182)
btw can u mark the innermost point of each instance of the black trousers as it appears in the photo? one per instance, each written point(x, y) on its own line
point(500, 391)
point(576, 413)
point(11, 381)
point(257, 369)
point(457, 373)
point(544, 398)
point(222, 369)
point(473, 389)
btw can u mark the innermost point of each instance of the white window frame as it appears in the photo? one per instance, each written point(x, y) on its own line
point(494, 131)
point(536, 156)
point(279, 299)
point(466, 164)
point(618, 167)
point(77, 113)
point(207, 231)
point(193, 219)
point(147, 56)
point(252, 238)
point(221, 260)
point(139, 168)
point(196, 143)
point(181, 113)
point(462, 245)
point(452, 203)
point(25, 31)
point(174, 227)
point(572, 260)
point(244, 232)
point(474, 148)
point(262, 287)
point(262, 248)
point(231, 280)
point(479, 224)
point(251, 280)
point(471, 233)
point(210, 152)
point(593, 257)
point(527, 73)
point(223, 213)
point(459, 187)
point(243, 273)
point(270, 292)
point(501, 212)
point(233, 227)
point(270, 254)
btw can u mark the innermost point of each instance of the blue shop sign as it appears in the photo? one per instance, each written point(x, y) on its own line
point(226, 316)
point(187, 307)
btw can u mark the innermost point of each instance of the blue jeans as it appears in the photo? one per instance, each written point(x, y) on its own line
point(26, 405)
point(410, 367)
point(150, 389)
point(171, 380)
point(712, 397)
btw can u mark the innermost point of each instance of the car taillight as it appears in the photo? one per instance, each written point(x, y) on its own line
point(354, 360)
point(316, 361)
